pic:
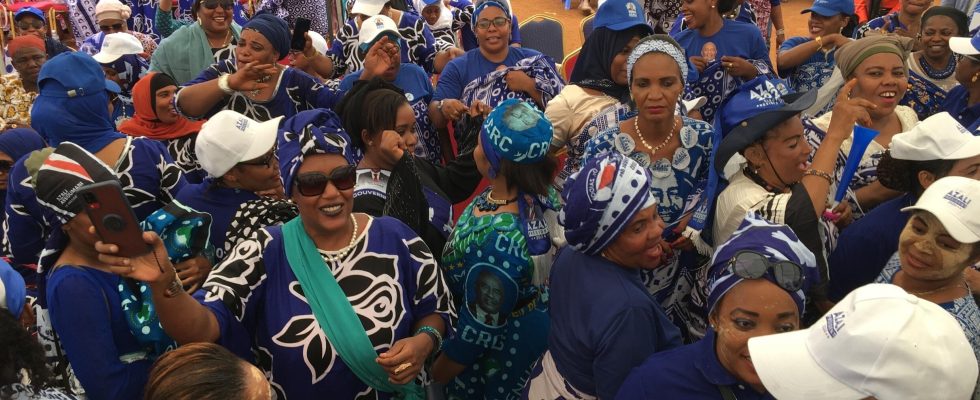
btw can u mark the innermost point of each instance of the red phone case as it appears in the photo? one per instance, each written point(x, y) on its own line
point(114, 220)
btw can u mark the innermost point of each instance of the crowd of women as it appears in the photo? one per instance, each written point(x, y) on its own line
point(425, 209)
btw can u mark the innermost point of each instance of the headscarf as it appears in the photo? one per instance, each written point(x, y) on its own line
point(275, 30)
point(23, 41)
point(515, 131)
point(17, 143)
point(82, 119)
point(600, 200)
point(480, 5)
point(445, 16)
point(592, 70)
point(959, 18)
point(307, 133)
point(777, 242)
point(62, 173)
point(657, 44)
point(145, 121)
point(130, 69)
point(853, 53)
point(112, 9)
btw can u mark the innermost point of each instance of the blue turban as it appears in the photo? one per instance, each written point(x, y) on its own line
point(13, 293)
point(481, 5)
point(275, 30)
point(515, 131)
point(310, 132)
point(600, 200)
point(777, 242)
point(20, 142)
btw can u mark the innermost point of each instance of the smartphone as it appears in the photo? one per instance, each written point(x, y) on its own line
point(299, 34)
point(114, 220)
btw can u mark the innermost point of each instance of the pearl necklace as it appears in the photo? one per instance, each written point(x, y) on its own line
point(653, 150)
point(337, 255)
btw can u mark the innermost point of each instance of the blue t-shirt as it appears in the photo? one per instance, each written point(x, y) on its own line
point(86, 313)
point(736, 39)
point(221, 202)
point(866, 245)
point(464, 69)
point(957, 104)
point(603, 322)
point(469, 37)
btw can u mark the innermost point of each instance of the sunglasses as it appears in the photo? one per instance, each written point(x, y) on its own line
point(111, 28)
point(6, 165)
point(315, 183)
point(212, 4)
point(749, 264)
point(265, 161)
point(499, 22)
point(25, 25)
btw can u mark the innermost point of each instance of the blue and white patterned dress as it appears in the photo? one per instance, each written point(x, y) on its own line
point(417, 45)
point(608, 118)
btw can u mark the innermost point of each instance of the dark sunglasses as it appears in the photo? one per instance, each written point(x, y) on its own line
point(973, 58)
point(265, 161)
point(212, 4)
point(499, 22)
point(25, 25)
point(111, 28)
point(6, 165)
point(314, 183)
point(749, 264)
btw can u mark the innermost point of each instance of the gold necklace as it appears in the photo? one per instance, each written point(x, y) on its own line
point(494, 201)
point(653, 150)
point(961, 284)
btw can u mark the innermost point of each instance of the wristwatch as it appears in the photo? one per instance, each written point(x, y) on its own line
point(223, 84)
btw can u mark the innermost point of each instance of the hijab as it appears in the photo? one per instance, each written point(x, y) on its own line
point(592, 70)
point(445, 17)
point(852, 54)
point(145, 121)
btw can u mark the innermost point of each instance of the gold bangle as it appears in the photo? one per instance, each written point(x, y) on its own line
point(821, 174)
point(819, 41)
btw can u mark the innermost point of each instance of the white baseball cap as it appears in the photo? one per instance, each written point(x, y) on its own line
point(372, 29)
point(116, 45)
point(229, 138)
point(939, 137)
point(955, 201)
point(319, 43)
point(878, 341)
point(368, 7)
point(967, 46)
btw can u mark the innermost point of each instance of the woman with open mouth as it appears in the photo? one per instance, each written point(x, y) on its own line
point(194, 47)
point(807, 62)
point(757, 285)
point(932, 68)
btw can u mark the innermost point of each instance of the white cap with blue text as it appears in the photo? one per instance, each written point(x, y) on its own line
point(955, 201)
point(879, 341)
point(229, 138)
point(939, 137)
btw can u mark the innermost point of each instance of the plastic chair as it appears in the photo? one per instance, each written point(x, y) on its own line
point(587, 25)
point(568, 64)
point(544, 33)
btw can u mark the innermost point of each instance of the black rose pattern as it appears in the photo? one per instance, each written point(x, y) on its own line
point(233, 280)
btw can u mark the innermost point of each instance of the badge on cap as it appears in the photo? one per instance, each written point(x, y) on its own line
point(631, 9)
point(624, 143)
point(641, 158)
point(681, 158)
point(379, 24)
point(688, 137)
point(660, 169)
point(241, 124)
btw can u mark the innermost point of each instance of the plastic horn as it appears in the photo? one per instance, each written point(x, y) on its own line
point(862, 138)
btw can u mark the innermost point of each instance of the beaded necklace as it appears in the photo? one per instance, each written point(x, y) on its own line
point(938, 75)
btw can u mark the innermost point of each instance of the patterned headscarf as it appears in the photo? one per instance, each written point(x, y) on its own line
point(657, 44)
point(515, 131)
point(306, 133)
point(852, 54)
point(68, 168)
point(777, 242)
point(600, 200)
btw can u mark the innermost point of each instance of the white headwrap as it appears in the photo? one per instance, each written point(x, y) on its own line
point(653, 44)
point(445, 17)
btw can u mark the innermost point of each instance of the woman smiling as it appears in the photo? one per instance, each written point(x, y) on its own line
point(193, 48)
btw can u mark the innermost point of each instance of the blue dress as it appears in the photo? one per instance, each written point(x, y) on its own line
point(295, 91)
point(879, 23)
point(957, 103)
point(812, 73)
point(466, 68)
point(417, 45)
point(389, 277)
point(220, 202)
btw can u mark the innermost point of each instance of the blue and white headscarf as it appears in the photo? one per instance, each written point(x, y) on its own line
point(777, 242)
point(515, 131)
point(656, 44)
point(600, 200)
point(310, 132)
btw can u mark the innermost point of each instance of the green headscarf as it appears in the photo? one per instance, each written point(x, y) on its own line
point(852, 54)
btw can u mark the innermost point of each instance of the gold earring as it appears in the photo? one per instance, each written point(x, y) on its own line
point(974, 79)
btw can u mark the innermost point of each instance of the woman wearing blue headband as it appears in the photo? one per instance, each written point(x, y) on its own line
point(496, 257)
point(757, 282)
point(603, 320)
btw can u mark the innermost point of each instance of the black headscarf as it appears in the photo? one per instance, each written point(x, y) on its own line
point(959, 18)
point(592, 68)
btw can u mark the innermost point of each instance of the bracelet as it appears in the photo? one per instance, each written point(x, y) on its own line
point(433, 334)
point(780, 31)
point(821, 174)
point(223, 84)
point(819, 41)
point(175, 287)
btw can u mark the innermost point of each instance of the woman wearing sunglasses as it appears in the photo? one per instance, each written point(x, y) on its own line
point(391, 179)
point(194, 47)
point(757, 280)
point(603, 320)
point(14, 144)
point(372, 278)
point(497, 257)
point(111, 17)
point(963, 101)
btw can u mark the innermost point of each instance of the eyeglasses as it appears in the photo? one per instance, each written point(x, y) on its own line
point(265, 161)
point(5, 166)
point(750, 264)
point(25, 25)
point(499, 22)
point(111, 28)
point(314, 183)
point(973, 58)
point(212, 4)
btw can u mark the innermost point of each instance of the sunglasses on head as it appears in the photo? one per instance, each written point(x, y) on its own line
point(111, 28)
point(212, 4)
point(750, 264)
point(6, 165)
point(265, 161)
point(315, 183)
point(499, 22)
point(25, 25)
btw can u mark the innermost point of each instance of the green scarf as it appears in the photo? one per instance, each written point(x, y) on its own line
point(342, 327)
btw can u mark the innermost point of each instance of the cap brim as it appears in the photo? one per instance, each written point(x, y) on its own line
point(789, 372)
point(963, 45)
point(754, 128)
point(113, 87)
point(622, 26)
point(266, 133)
point(972, 149)
point(953, 225)
point(106, 57)
point(825, 12)
point(366, 45)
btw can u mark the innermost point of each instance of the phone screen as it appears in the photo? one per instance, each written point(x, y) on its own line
point(299, 34)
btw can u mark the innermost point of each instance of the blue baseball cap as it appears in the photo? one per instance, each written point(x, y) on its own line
point(830, 8)
point(29, 11)
point(965, 46)
point(752, 110)
point(620, 15)
point(13, 293)
point(73, 74)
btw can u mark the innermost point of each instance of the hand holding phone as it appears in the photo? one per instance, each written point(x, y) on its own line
point(298, 41)
point(113, 218)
